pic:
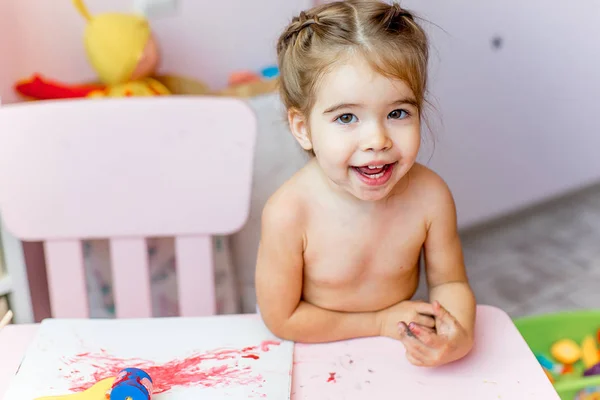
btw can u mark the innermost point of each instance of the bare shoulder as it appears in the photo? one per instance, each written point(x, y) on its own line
point(287, 207)
point(428, 180)
point(432, 191)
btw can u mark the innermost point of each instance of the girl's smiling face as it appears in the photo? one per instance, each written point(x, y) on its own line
point(364, 129)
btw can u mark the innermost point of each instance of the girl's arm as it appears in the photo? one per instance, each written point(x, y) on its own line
point(445, 268)
point(279, 276)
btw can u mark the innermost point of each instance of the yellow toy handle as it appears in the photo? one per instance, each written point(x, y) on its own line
point(96, 392)
point(82, 9)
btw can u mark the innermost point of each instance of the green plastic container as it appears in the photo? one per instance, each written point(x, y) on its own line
point(541, 331)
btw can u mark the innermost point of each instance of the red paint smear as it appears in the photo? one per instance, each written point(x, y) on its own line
point(187, 372)
point(264, 346)
point(331, 377)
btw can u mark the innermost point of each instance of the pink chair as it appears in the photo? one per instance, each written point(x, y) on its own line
point(126, 169)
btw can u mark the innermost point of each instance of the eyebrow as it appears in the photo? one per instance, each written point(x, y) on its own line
point(339, 106)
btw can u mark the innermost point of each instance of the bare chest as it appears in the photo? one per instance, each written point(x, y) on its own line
point(354, 252)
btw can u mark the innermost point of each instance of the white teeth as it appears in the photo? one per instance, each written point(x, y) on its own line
point(376, 176)
point(373, 167)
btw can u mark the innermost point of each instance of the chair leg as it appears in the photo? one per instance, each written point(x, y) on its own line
point(195, 276)
point(19, 296)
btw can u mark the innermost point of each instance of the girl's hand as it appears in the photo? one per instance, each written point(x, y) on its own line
point(417, 312)
point(428, 347)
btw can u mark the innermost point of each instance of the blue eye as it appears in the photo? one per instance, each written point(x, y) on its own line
point(398, 114)
point(345, 119)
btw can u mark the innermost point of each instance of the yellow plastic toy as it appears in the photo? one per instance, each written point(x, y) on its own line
point(566, 351)
point(589, 352)
point(96, 392)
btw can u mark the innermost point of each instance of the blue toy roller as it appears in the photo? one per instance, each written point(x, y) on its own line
point(132, 384)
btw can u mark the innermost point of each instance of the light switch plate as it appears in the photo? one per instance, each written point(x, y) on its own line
point(155, 8)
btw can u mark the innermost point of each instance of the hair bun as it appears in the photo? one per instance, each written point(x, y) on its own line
point(298, 24)
point(393, 17)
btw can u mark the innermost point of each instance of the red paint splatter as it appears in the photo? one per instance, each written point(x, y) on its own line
point(264, 346)
point(186, 372)
point(331, 377)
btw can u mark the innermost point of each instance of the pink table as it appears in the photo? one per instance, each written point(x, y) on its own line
point(501, 366)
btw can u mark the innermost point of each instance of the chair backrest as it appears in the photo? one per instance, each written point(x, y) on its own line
point(127, 169)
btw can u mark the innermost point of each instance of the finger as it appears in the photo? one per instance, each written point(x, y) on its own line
point(403, 331)
point(424, 308)
point(423, 355)
point(425, 320)
point(420, 351)
point(410, 340)
point(425, 335)
point(415, 360)
point(442, 314)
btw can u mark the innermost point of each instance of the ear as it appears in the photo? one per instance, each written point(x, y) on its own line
point(299, 127)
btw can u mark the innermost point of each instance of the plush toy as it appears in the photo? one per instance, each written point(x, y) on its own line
point(123, 52)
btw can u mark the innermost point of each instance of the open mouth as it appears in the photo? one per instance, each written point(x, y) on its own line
point(375, 174)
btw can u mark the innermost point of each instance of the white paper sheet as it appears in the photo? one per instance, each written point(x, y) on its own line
point(222, 357)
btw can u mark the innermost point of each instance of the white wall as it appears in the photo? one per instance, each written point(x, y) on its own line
point(520, 124)
point(9, 51)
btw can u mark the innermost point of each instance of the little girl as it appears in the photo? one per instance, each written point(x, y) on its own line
point(341, 240)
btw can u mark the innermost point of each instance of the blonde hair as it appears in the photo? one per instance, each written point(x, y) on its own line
point(386, 35)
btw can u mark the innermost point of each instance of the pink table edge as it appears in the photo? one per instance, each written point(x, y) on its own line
point(15, 339)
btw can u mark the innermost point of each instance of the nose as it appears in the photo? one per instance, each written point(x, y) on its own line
point(376, 139)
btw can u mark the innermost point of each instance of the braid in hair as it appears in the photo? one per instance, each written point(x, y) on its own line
point(393, 19)
point(299, 31)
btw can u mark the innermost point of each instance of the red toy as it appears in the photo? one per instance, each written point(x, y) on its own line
point(40, 88)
